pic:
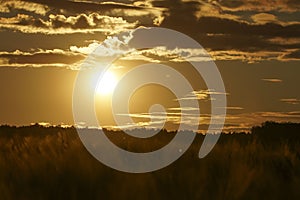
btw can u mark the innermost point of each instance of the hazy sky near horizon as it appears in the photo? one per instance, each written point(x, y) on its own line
point(255, 44)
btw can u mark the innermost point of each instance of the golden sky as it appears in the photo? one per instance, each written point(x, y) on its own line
point(254, 43)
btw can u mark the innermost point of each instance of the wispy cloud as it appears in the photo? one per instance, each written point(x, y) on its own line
point(111, 46)
point(234, 108)
point(41, 58)
point(184, 109)
point(61, 24)
point(75, 66)
point(65, 17)
point(248, 31)
point(243, 30)
point(292, 101)
point(234, 122)
point(202, 95)
point(272, 80)
point(13, 5)
point(163, 54)
point(259, 6)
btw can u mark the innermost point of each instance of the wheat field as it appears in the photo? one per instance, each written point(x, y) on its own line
point(51, 163)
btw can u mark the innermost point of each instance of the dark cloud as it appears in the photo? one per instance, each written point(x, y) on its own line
point(112, 17)
point(242, 36)
point(43, 57)
point(231, 3)
point(80, 22)
point(216, 25)
point(24, 42)
point(60, 24)
point(220, 33)
point(180, 16)
point(226, 26)
point(259, 5)
point(294, 55)
point(80, 7)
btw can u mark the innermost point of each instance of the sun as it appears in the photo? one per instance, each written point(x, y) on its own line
point(107, 84)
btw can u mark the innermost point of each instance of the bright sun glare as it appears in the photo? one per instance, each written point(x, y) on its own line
point(107, 84)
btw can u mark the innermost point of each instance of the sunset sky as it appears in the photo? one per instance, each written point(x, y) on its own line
point(254, 43)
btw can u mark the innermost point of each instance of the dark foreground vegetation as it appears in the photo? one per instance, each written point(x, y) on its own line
point(51, 163)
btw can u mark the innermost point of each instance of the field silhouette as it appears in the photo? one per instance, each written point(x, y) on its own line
point(39, 162)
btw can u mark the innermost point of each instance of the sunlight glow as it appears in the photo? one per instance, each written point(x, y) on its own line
point(107, 84)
